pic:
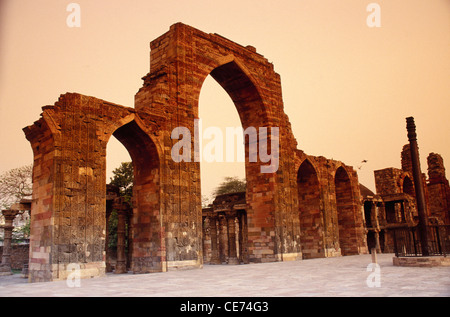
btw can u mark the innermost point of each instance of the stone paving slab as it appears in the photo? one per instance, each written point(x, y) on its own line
point(342, 276)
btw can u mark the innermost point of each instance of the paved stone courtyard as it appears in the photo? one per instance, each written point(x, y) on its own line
point(341, 276)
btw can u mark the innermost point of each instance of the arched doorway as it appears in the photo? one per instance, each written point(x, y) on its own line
point(311, 221)
point(180, 61)
point(222, 156)
point(345, 212)
point(219, 120)
point(119, 186)
point(408, 186)
point(240, 87)
point(145, 226)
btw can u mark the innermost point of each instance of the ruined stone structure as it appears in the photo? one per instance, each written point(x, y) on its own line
point(438, 189)
point(12, 256)
point(394, 205)
point(5, 265)
point(309, 207)
point(329, 203)
point(225, 230)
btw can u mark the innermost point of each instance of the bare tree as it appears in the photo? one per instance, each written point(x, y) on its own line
point(15, 184)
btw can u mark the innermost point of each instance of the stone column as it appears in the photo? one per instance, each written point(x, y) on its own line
point(214, 246)
point(232, 258)
point(107, 251)
point(418, 184)
point(243, 252)
point(130, 239)
point(377, 240)
point(223, 248)
point(121, 266)
point(381, 214)
point(244, 233)
point(5, 267)
point(240, 236)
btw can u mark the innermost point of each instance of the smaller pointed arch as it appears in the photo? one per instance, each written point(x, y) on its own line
point(311, 219)
point(408, 186)
point(345, 206)
point(148, 239)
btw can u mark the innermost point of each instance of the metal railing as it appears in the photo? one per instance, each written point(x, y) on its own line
point(407, 240)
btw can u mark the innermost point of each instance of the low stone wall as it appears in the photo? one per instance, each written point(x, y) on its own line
point(19, 255)
point(422, 261)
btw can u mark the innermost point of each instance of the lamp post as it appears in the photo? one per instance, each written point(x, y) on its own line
point(418, 185)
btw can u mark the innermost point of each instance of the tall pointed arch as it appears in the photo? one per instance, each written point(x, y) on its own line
point(180, 61)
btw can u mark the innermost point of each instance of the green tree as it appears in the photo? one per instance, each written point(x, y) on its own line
point(112, 230)
point(230, 185)
point(123, 178)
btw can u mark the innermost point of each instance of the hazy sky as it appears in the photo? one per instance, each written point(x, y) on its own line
point(347, 87)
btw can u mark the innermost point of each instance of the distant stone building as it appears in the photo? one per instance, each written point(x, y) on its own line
point(394, 204)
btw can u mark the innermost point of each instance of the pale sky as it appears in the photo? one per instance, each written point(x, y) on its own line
point(347, 88)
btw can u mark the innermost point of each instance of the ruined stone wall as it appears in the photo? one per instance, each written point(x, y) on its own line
point(19, 255)
point(387, 181)
point(392, 181)
point(395, 188)
point(180, 61)
point(330, 209)
point(42, 136)
point(438, 189)
point(69, 177)
point(69, 184)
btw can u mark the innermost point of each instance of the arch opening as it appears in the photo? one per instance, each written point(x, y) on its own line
point(311, 222)
point(345, 212)
point(408, 186)
point(224, 231)
point(218, 120)
point(142, 213)
point(242, 92)
point(251, 113)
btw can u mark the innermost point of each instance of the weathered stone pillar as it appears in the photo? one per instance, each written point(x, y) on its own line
point(240, 236)
point(214, 246)
point(382, 214)
point(121, 266)
point(108, 267)
point(130, 239)
point(418, 184)
point(223, 248)
point(5, 267)
point(243, 252)
point(232, 254)
point(377, 240)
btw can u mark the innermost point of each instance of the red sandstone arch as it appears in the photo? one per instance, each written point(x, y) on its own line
point(69, 179)
point(233, 77)
point(243, 90)
point(311, 220)
point(180, 61)
point(345, 212)
point(69, 164)
point(146, 221)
